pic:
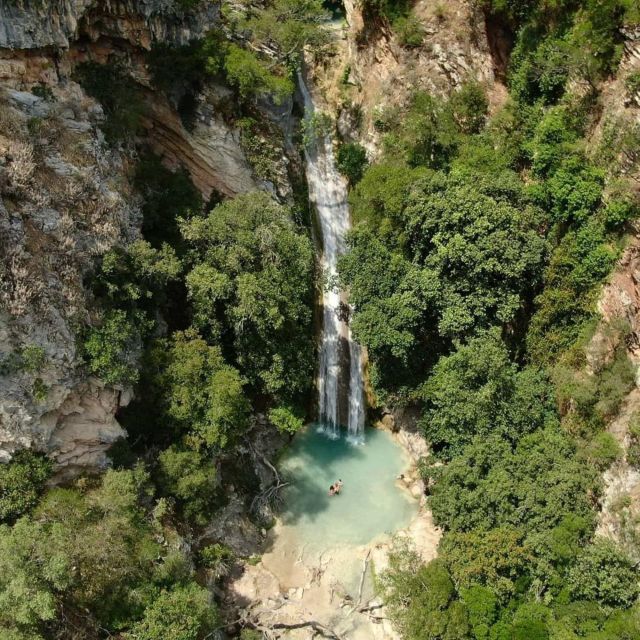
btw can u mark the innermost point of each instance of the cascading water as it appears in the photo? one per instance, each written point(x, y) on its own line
point(328, 193)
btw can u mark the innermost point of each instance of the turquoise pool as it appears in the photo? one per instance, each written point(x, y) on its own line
point(371, 502)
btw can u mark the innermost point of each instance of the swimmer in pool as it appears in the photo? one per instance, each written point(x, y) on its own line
point(332, 490)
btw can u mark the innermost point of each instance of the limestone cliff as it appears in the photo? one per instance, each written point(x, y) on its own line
point(620, 299)
point(372, 70)
point(66, 198)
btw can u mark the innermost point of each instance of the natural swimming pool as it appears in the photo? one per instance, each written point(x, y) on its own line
point(371, 502)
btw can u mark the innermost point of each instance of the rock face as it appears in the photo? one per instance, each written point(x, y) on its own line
point(377, 72)
point(36, 24)
point(66, 198)
point(620, 299)
point(211, 152)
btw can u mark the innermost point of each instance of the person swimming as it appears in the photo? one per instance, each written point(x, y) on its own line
point(334, 489)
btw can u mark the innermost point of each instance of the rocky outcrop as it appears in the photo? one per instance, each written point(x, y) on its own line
point(66, 198)
point(620, 300)
point(38, 24)
point(211, 152)
point(376, 72)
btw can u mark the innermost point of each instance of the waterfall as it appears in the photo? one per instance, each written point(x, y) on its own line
point(340, 386)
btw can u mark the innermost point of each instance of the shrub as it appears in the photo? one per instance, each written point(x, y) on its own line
point(217, 558)
point(111, 349)
point(319, 126)
point(21, 483)
point(184, 613)
point(619, 211)
point(252, 78)
point(632, 83)
point(33, 358)
point(201, 392)
point(190, 477)
point(43, 91)
point(603, 573)
point(352, 161)
point(603, 450)
point(633, 451)
point(470, 106)
point(39, 390)
point(409, 31)
point(258, 293)
point(286, 420)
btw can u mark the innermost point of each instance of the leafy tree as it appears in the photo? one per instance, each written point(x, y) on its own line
point(251, 284)
point(532, 486)
point(553, 140)
point(426, 134)
point(351, 161)
point(467, 257)
point(494, 558)
point(135, 277)
point(21, 483)
point(603, 450)
point(470, 241)
point(582, 259)
point(574, 190)
point(111, 348)
point(554, 551)
point(603, 573)
point(420, 597)
point(86, 559)
point(185, 613)
point(381, 197)
point(190, 477)
point(186, 66)
point(478, 391)
point(291, 24)
point(285, 419)
point(469, 106)
point(203, 394)
point(482, 605)
point(251, 76)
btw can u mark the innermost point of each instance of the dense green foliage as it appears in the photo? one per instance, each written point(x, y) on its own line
point(255, 296)
point(203, 394)
point(111, 348)
point(463, 256)
point(479, 248)
point(209, 317)
point(479, 391)
point(89, 557)
point(21, 483)
point(352, 160)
